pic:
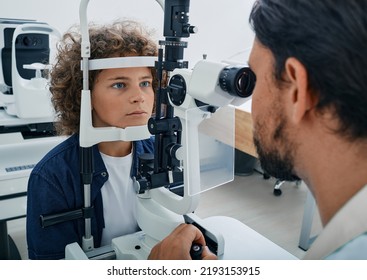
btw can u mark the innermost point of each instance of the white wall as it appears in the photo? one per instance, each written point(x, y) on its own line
point(224, 32)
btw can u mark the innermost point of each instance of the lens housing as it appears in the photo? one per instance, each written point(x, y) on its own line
point(237, 81)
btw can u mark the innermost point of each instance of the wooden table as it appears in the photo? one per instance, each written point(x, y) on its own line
point(243, 132)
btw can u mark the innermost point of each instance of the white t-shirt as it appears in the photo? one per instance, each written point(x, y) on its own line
point(119, 199)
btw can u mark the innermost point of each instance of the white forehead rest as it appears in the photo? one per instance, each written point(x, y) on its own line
point(122, 62)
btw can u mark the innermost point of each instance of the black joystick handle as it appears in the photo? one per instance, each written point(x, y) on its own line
point(195, 251)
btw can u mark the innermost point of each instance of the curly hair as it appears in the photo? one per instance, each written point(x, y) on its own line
point(119, 39)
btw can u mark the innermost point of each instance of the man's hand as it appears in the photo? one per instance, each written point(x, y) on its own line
point(177, 245)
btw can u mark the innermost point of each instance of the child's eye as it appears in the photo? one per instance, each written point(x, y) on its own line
point(145, 84)
point(118, 85)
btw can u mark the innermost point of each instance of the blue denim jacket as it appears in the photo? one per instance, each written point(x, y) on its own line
point(55, 186)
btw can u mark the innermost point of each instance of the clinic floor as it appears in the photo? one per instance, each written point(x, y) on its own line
point(249, 199)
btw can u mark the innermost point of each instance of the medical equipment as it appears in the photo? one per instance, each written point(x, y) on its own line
point(25, 104)
point(159, 209)
point(191, 98)
point(26, 115)
point(25, 108)
point(25, 53)
point(212, 85)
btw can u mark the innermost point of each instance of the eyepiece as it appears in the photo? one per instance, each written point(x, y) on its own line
point(237, 81)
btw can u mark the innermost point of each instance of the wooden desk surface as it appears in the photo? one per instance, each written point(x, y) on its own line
point(243, 130)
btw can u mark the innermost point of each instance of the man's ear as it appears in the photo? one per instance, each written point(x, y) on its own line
point(301, 98)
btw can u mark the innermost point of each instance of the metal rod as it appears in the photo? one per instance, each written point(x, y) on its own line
point(87, 203)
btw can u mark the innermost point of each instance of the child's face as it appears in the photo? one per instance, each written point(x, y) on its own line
point(122, 97)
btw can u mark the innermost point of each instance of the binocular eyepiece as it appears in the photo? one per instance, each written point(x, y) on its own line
point(237, 81)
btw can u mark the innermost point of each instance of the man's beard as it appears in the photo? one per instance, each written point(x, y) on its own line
point(272, 162)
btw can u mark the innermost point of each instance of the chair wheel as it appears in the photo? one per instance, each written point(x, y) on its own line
point(277, 192)
point(266, 176)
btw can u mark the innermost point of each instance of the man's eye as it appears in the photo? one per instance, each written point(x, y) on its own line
point(118, 85)
point(145, 84)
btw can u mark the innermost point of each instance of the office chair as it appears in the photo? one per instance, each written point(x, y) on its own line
point(278, 183)
point(277, 191)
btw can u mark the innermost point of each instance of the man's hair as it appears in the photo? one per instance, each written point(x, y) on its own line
point(329, 38)
point(119, 39)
